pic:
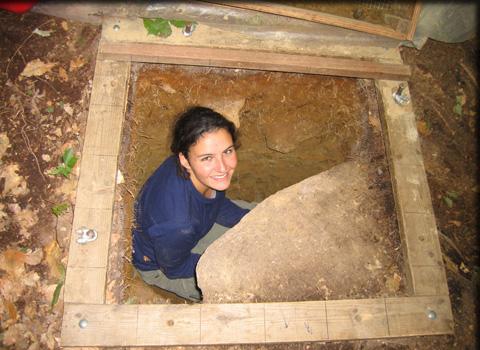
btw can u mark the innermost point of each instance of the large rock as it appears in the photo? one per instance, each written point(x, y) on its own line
point(317, 239)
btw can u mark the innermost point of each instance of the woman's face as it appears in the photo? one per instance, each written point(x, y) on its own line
point(211, 162)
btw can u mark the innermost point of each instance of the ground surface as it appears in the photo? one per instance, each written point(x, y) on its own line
point(42, 115)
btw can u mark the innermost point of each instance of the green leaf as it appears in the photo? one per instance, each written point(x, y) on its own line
point(448, 201)
point(59, 209)
point(178, 23)
point(452, 194)
point(61, 268)
point(457, 109)
point(61, 170)
point(69, 158)
point(158, 26)
point(50, 109)
point(56, 293)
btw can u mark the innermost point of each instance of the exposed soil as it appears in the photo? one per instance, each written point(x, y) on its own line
point(42, 115)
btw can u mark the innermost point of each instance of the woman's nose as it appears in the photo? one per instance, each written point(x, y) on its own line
point(221, 167)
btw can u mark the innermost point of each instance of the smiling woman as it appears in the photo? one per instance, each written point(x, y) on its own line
point(182, 207)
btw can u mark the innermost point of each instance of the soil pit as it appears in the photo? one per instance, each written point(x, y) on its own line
point(292, 126)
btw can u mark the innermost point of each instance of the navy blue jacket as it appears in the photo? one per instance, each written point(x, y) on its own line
point(171, 217)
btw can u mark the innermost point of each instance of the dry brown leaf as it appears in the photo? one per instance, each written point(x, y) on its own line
point(64, 25)
point(423, 128)
point(34, 258)
point(4, 219)
point(14, 183)
point(36, 68)
point(62, 74)
point(12, 261)
point(53, 256)
point(77, 63)
point(26, 218)
point(4, 144)
point(14, 334)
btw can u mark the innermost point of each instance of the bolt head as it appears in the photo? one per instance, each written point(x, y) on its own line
point(83, 323)
point(116, 27)
point(432, 315)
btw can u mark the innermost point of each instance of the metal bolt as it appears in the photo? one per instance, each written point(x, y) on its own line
point(86, 235)
point(399, 96)
point(116, 27)
point(83, 323)
point(432, 315)
point(188, 29)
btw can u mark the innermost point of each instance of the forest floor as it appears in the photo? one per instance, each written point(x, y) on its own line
point(46, 79)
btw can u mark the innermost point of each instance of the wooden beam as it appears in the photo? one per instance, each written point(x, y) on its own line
point(269, 61)
point(314, 16)
point(413, 22)
point(260, 323)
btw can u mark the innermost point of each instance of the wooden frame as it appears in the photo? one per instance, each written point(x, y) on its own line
point(325, 18)
point(89, 321)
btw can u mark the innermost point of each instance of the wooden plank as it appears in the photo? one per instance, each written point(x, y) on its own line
point(85, 285)
point(410, 316)
point(107, 325)
point(150, 325)
point(168, 325)
point(314, 16)
point(413, 194)
point(293, 322)
point(429, 280)
point(91, 254)
point(110, 83)
point(232, 323)
point(269, 61)
point(356, 319)
point(104, 130)
point(421, 238)
point(96, 185)
point(413, 22)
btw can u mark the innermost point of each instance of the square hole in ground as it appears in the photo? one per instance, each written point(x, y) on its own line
point(292, 126)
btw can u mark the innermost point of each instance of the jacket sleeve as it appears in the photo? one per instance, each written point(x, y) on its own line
point(230, 213)
point(173, 243)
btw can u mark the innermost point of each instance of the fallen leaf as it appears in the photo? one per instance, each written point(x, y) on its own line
point(11, 309)
point(423, 128)
point(34, 258)
point(36, 68)
point(64, 25)
point(393, 283)
point(42, 33)
point(4, 144)
point(14, 334)
point(455, 222)
point(14, 184)
point(62, 74)
point(26, 218)
point(77, 63)
point(464, 268)
point(12, 261)
point(67, 108)
point(4, 218)
point(53, 256)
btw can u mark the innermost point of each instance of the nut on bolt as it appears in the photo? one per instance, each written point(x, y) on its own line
point(399, 96)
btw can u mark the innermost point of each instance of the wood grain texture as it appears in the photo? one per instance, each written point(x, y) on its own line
point(314, 16)
point(269, 61)
point(110, 83)
point(169, 324)
point(96, 185)
point(104, 129)
point(357, 319)
point(291, 322)
point(85, 285)
point(429, 280)
point(413, 22)
point(409, 316)
point(107, 325)
point(232, 323)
